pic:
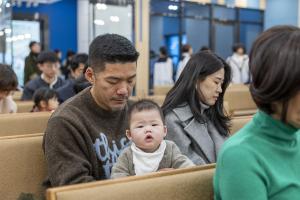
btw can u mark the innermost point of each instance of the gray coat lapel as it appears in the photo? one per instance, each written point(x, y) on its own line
point(197, 131)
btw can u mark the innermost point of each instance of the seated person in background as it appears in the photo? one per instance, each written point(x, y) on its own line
point(193, 108)
point(149, 152)
point(261, 161)
point(48, 64)
point(45, 99)
point(187, 52)
point(163, 69)
point(239, 63)
point(78, 67)
point(8, 83)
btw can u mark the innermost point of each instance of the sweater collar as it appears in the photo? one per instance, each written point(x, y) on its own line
point(275, 128)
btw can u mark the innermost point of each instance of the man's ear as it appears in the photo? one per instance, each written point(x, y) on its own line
point(90, 75)
point(128, 134)
point(165, 131)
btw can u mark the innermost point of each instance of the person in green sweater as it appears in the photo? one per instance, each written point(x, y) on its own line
point(262, 160)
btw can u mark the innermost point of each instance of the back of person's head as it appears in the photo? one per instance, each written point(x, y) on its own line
point(201, 65)
point(42, 96)
point(204, 48)
point(47, 56)
point(274, 66)
point(70, 53)
point(144, 105)
point(186, 48)
point(8, 78)
point(110, 48)
point(77, 59)
point(163, 51)
point(238, 46)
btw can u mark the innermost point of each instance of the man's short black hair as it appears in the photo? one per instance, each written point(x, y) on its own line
point(32, 43)
point(8, 78)
point(110, 48)
point(47, 56)
point(77, 59)
point(141, 105)
point(237, 46)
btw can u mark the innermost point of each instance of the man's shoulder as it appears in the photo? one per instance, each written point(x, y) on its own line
point(34, 83)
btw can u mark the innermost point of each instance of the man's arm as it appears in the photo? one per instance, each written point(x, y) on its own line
point(121, 167)
point(66, 154)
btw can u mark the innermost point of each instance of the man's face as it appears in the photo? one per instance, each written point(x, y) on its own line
point(78, 71)
point(112, 86)
point(36, 48)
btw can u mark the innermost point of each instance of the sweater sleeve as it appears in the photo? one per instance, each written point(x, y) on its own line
point(66, 154)
point(121, 167)
point(178, 159)
point(239, 175)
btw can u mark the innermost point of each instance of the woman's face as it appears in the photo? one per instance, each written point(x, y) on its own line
point(210, 88)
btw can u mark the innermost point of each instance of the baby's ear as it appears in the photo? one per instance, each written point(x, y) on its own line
point(128, 134)
point(165, 130)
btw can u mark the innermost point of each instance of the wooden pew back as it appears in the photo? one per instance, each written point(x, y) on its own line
point(191, 183)
point(22, 168)
point(23, 123)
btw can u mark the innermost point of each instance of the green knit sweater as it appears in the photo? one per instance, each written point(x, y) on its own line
point(261, 161)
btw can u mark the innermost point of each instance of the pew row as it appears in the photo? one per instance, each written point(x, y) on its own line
point(24, 106)
point(239, 122)
point(22, 168)
point(23, 123)
point(192, 183)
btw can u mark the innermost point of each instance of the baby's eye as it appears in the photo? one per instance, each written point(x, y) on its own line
point(154, 124)
point(140, 126)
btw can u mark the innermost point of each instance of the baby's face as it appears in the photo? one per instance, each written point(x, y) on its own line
point(52, 104)
point(147, 130)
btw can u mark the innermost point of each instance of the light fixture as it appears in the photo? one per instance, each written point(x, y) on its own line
point(0, 10)
point(7, 5)
point(101, 6)
point(99, 22)
point(114, 18)
point(173, 7)
point(27, 35)
point(7, 31)
point(1, 33)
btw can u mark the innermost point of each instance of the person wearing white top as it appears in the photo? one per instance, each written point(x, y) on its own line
point(8, 83)
point(239, 63)
point(163, 69)
point(187, 52)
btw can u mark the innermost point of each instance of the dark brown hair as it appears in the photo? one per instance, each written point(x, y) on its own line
point(275, 68)
point(8, 78)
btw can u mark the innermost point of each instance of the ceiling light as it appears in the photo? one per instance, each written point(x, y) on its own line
point(99, 22)
point(114, 18)
point(101, 6)
point(7, 5)
point(7, 30)
point(1, 33)
point(173, 7)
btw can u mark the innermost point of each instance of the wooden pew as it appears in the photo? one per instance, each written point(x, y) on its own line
point(239, 122)
point(22, 166)
point(23, 123)
point(240, 100)
point(17, 95)
point(161, 90)
point(24, 106)
point(192, 183)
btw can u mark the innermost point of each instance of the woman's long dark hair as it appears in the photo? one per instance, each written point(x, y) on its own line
point(198, 68)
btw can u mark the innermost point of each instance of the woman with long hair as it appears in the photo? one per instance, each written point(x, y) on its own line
point(193, 108)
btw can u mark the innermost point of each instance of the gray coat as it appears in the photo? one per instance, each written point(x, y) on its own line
point(200, 142)
point(172, 158)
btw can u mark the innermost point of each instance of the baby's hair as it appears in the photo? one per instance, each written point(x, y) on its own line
point(43, 94)
point(141, 105)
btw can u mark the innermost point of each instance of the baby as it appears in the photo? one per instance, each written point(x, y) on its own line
point(149, 152)
point(45, 99)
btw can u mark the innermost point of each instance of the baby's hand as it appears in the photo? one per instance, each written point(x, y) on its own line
point(165, 169)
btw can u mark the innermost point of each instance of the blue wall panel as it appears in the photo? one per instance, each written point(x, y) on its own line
point(279, 12)
point(62, 18)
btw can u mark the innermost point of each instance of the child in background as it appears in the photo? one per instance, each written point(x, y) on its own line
point(45, 99)
point(149, 152)
point(8, 83)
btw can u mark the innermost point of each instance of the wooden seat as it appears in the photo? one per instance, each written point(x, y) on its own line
point(240, 100)
point(24, 106)
point(192, 183)
point(161, 90)
point(239, 122)
point(22, 168)
point(23, 123)
point(17, 95)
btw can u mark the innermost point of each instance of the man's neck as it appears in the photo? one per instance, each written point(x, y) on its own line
point(47, 79)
